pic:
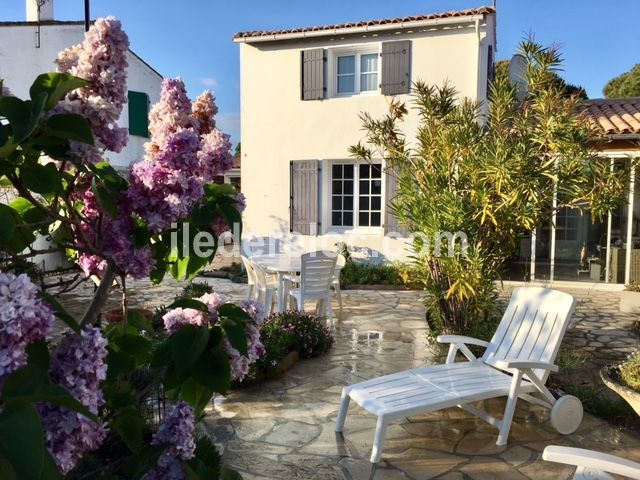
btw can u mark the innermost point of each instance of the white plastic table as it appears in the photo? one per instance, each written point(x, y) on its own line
point(280, 264)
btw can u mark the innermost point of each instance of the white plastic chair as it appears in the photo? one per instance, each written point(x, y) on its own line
point(335, 282)
point(316, 274)
point(592, 465)
point(265, 287)
point(516, 363)
point(251, 277)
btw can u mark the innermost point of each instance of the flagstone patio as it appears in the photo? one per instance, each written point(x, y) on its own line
point(283, 428)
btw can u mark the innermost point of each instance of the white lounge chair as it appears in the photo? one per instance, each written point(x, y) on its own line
point(592, 465)
point(516, 363)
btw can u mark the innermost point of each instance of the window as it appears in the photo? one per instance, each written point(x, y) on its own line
point(138, 113)
point(356, 73)
point(356, 195)
point(567, 224)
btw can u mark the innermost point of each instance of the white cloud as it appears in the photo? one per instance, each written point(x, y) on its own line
point(229, 122)
point(210, 82)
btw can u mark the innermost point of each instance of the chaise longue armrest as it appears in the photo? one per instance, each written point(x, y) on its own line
point(461, 339)
point(525, 364)
point(590, 459)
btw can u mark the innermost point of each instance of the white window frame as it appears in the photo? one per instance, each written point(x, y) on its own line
point(327, 199)
point(357, 51)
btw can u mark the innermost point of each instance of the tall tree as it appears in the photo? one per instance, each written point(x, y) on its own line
point(491, 178)
point(624, 85)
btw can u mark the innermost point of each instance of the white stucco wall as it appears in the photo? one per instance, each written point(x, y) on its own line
point(278, 127)
point(21, 62)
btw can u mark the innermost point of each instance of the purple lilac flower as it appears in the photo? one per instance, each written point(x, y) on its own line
point(215, 155)
point(204, 110)
point(163, 189)
point(175, 431)
point(24, 318)
point(241, 202)
point(5, 92)
point(78, 365)
point(116, 239)
point(102, 60)
point(178, 317)
point(254, 309)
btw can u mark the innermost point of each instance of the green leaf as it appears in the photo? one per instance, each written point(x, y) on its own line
point(38, 354)
point(213, 371)
point(144, 461)
point(106, 199)
point(56, 86)
point(129, 426)
point(228, 474)
point(60, 312)
point(49, 468)
point(32, 384)
point(118, 363)
point(189, 303)
point(6, 470)
point(136, 346)
point(187, 344)
point(195, 395)
point(234, 312)
point(178, 268)
point(23, 116)
point(28, 211)
point(70, 126)
point(110, 177)
point(41, 178)
point(139, 321)
point(162, 354)
point(22, 440)
point(236, 335)
point(7, 226)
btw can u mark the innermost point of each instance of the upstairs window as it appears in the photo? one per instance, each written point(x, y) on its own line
point(356, 72)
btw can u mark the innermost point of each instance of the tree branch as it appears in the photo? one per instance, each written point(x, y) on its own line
point(101, 295)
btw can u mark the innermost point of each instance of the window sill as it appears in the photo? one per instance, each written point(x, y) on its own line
point(355, 231)
point(371, 93)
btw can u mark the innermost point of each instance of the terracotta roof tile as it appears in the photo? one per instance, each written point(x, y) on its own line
point(614, 116)
point(365, 23)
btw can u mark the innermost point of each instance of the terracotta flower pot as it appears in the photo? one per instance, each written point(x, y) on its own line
point(610, 375)
point(115, 314)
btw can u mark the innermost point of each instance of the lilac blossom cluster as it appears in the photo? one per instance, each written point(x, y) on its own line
point(100, 59)
point(178, 317)
point(175, 431)
point(215, 156)
point(163, 189)
point(5, 92)
point(78, 365)
point(24, 318)
point(116, 238)
point(204, 110)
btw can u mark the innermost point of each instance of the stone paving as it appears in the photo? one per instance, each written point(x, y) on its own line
point(283, 428)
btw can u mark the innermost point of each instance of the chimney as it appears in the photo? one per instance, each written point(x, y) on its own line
point(39, 10)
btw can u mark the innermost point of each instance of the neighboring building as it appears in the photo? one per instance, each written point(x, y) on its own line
point(232, 175)
point(572, 246)
point(302, 91)
point(29, 48)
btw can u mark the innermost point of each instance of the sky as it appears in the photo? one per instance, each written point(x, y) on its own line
point(192, 38)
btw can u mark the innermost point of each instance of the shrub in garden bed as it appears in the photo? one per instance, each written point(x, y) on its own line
point(291, 331)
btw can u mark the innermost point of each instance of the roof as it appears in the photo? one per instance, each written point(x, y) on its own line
point(613, 116)
point(402, 22)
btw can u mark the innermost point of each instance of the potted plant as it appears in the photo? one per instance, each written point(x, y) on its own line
point(624, 379)
point(630, 298)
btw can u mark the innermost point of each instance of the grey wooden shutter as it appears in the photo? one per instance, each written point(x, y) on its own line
point(304, 197)
point(391, 222)
point(396, 78)
point(313, 74)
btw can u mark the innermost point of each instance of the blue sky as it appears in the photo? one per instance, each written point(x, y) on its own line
point(192, 38)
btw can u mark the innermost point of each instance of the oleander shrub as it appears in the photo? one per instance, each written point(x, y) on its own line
point(630, 371)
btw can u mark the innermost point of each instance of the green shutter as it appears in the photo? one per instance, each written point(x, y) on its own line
point(138, 114)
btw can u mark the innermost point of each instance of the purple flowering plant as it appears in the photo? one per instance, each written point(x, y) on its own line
point(63, 402)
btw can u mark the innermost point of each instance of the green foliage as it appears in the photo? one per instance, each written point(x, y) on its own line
point(570, 357)
point(568, 89)
point(488, 174)
point(624, 85)
point(630, 371)
point(196, 289)
point(633, 286)
point(597, 403)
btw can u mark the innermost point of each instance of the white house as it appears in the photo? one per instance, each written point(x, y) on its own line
point(29, 48)
point(302, 91)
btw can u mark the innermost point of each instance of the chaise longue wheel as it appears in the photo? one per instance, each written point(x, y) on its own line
point(566, 414)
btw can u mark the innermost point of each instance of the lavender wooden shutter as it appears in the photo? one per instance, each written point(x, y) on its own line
point(396, 78)
point(313, 74)
point(391, 222)
point(304, 197)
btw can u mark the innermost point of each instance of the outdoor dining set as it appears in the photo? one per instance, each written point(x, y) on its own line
point(282, 280)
